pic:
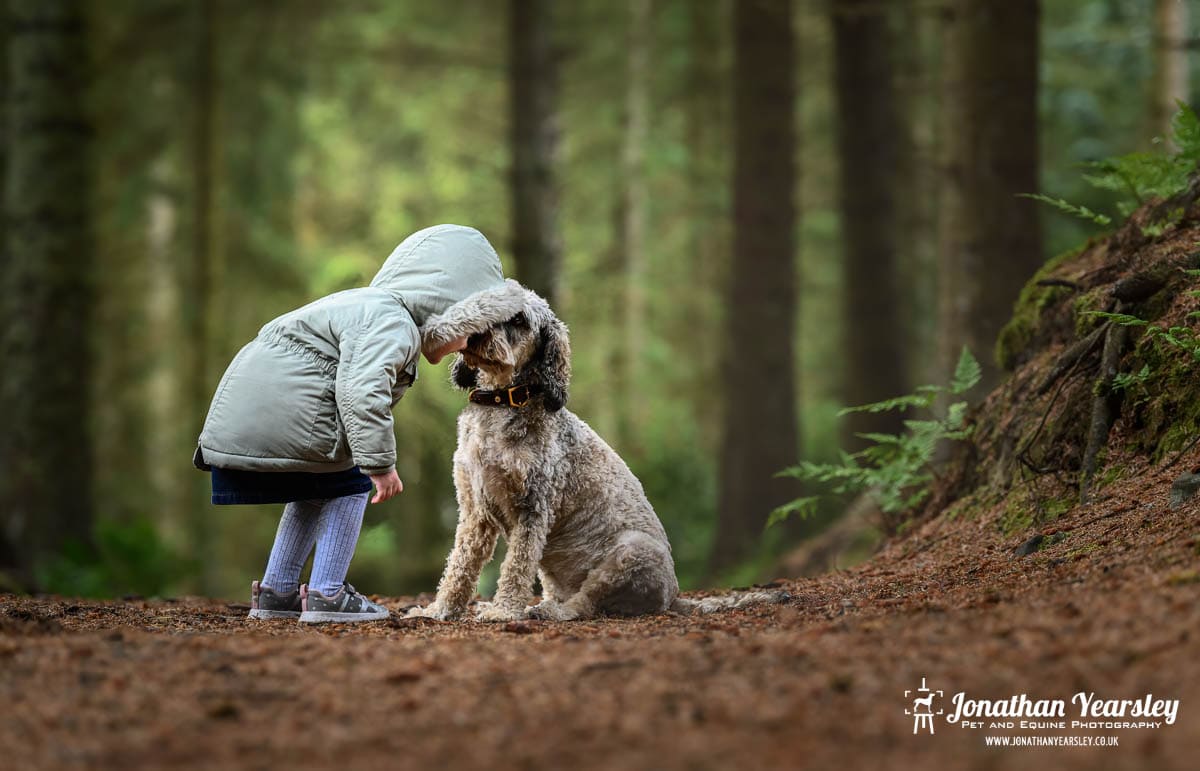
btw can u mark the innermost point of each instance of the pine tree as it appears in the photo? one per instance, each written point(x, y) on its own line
point(45, 448)
point(869, 134)
point(990, 240)
point(760, 430)
point(533, 84)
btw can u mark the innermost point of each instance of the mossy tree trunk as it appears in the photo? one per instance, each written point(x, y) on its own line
point(760, 432)
point(869, 136)
point(990, 240)
point(45, 447)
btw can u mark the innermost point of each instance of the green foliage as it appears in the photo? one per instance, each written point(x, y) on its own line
point(1138, 177)
point(895, 469)
point(1181, 337)
point(1082, 212)
point(128, 558)
point(1142, 176)
point(803, 507)
point(680, 482)
point(1162, 340)
point(1017, 335)
point(1125, 381)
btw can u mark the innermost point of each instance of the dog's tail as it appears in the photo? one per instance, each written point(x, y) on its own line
point(727, 602)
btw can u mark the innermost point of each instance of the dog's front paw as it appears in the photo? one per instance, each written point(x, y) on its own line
point(435, 610)
point(490, 611)
point(549, 610)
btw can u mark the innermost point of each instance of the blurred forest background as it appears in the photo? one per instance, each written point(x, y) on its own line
point(749, 212)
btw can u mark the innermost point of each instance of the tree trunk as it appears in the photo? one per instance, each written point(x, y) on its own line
point(707, 138)
point(170, 482)
point(760, 427)
point(630, 245)
point(916, 50)
point(198, 306)
point(990, 240)
point(45, 447)
point(869, 135)
point(1170, 63)
point(533, 86)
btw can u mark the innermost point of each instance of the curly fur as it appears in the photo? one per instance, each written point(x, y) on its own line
point(571, 511)
point(474, 314)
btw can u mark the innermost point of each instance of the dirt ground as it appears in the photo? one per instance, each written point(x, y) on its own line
point(818, 682)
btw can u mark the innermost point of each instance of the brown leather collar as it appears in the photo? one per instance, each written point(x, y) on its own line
point(516, 396)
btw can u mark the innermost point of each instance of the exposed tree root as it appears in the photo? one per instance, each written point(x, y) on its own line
point(1106, 403)
point(1073, 356)
point(1184, 451)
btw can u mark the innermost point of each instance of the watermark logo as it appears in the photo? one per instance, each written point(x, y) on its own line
point(922, 706)
point(1039, 720)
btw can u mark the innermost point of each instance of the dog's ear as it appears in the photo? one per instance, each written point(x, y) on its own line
point(554, 364)
point(461, 375)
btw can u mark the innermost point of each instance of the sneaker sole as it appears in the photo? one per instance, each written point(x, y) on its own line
point(267, 614)
point(333, 617)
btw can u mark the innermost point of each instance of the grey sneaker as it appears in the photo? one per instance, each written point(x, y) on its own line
point(347, 606)
point(265, 602)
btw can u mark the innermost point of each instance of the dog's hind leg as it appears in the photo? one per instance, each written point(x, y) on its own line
point(635, 578)
point(551, 589)
point(553, 596)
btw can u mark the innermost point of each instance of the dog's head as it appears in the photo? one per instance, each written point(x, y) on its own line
point(531, 347)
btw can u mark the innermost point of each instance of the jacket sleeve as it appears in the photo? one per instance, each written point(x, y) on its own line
point(372, 356)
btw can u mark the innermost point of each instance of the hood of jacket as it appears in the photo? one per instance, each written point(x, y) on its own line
point(449, 278)
point(437, 267)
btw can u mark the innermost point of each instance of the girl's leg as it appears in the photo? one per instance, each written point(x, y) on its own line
point(341, 521)
point(294, 541)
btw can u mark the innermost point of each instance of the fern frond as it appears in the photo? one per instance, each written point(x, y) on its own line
point(1185, 130)
point(966, 373)
point(804, 507)
point(1124, 319)
point(1066, 207)
point(920, 400)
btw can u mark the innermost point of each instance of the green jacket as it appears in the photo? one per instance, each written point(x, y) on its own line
point(314, 390)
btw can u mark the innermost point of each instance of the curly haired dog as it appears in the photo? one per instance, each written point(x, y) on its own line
point(569, 508)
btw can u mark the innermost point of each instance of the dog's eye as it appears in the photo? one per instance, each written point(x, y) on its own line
point(519, 321)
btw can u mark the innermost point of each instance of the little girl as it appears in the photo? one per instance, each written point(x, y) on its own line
point(303, 414)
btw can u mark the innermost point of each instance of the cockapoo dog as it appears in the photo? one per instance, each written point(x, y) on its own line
point(571, 511)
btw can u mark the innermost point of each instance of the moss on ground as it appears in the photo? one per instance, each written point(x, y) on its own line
point(1082, 551)
point(1109, 475)
point(1018, 334)
point(1084, 308)
point(1024, 509)
point(1166, 414)
point(1022, 466)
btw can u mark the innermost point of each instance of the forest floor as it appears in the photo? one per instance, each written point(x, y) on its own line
point(817, 682)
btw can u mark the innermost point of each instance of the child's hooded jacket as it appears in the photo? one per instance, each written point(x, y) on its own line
point(315, 390)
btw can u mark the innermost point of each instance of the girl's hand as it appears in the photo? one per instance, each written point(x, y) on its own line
point(386, 486)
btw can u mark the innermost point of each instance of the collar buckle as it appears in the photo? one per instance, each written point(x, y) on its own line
point(512, 400)
point(514, 396)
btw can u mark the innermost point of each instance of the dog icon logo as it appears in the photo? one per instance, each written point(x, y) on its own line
point(922, 706)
